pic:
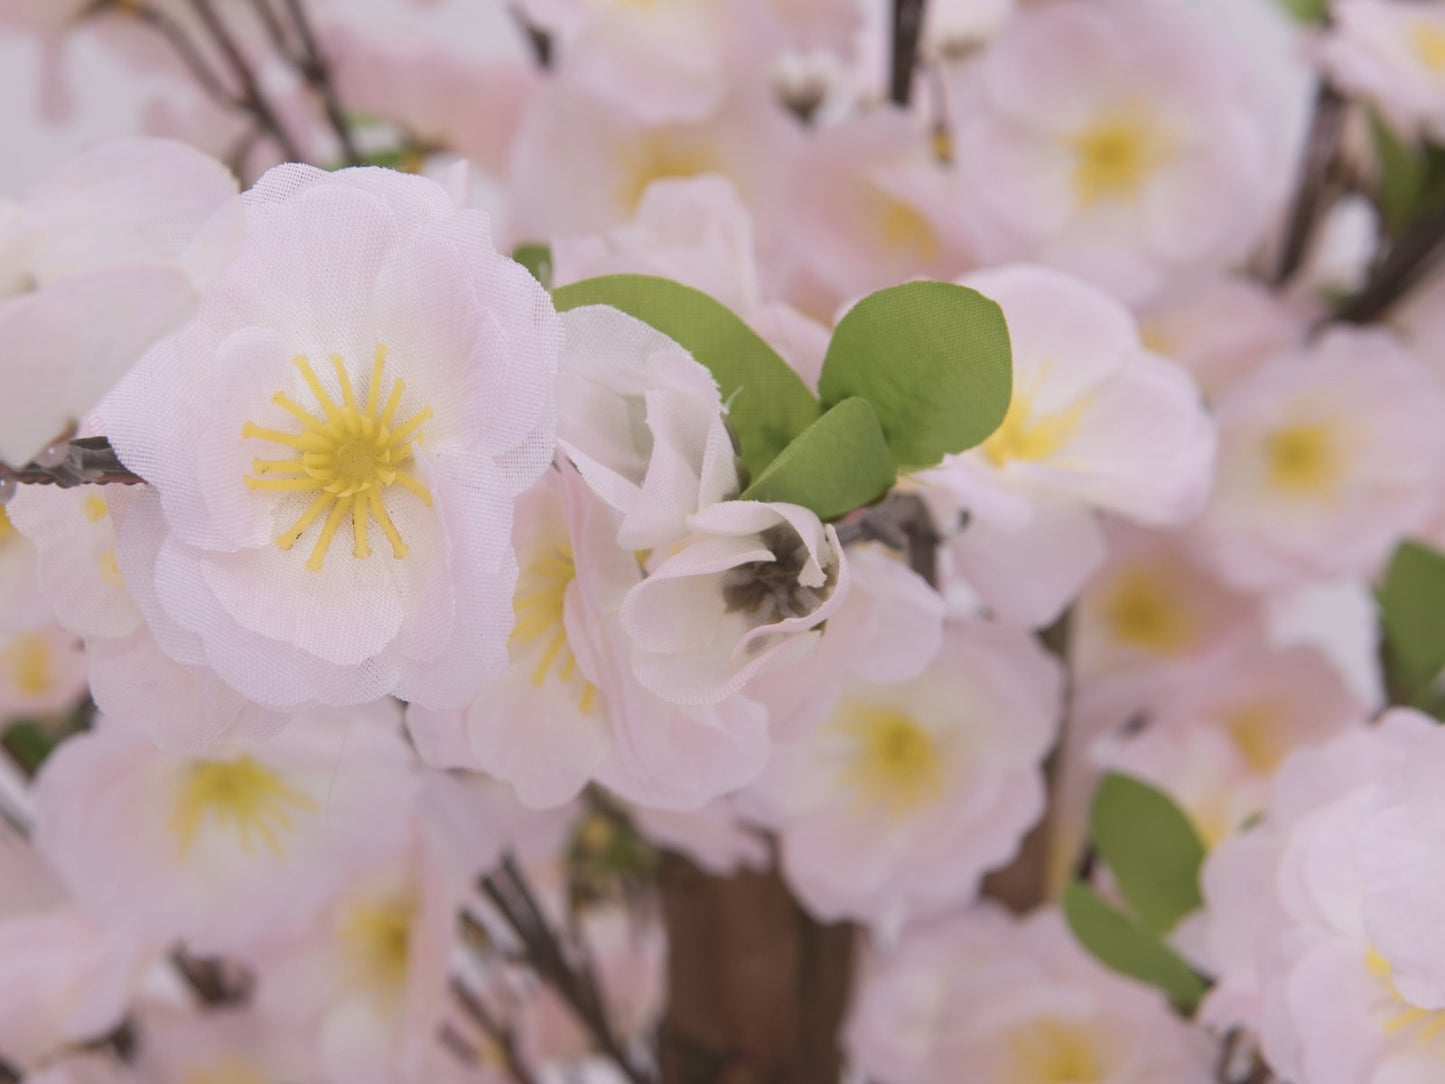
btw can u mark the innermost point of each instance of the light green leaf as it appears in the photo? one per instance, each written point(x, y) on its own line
point(1412, 611)
point(1309, 12)
point(769, 403)
point(1125, 946)
point(1403, 172)
point(1151, 848)
point(932, 359)
point(837, 464)
point(536, 258)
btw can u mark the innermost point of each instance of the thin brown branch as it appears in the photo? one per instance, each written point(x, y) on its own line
point(251, 97)
point(1404, 265)
point(186, 51)
point(907, 30)
point(1321, 148)
point(511, 896)
point(901, 522)
point(89, 461)
point(500, 1035)
point(316, 70)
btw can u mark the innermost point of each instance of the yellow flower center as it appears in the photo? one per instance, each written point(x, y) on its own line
point(1114, 155)
point(347, 458)
point(109, 569)
point(31, 663)
point(1304, 460)
point(661, 155)
point(1054, 1052)
point(1428, 42)
point(1029, 434)
point(1421, 1024)
point(7, 529)
point(94, 508)
point(540, 603)
point(1256, 730)
point(241, 796)
point(1139, 610)
point(902, 228)
point(893, 764)
point(374, 939)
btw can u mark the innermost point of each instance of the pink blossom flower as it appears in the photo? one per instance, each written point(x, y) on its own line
point(224, 848)
point(568, 708)
point(1393, 55)
point(1096, 421)
point(1328, 457)
point(909, 793)
point(102, 258)
point(1123, 141)
point(989, 998)
point(362, 395)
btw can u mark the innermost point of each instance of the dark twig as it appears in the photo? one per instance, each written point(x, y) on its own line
point(509, 893)
point(251, 97)
point(500, 1035)
point(276, 31)
point(1405, 263)
point(1315, 171)
point(901, 522)
point(539, 40)
point(186, 51)
point(316, 70)
point(89, 461)
point(907, 29)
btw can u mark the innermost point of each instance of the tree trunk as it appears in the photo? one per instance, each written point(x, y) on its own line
point(757, 988)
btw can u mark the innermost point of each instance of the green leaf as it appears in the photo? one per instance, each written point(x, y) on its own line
point(837, 464)
point(1412, 611)
point(932, 358)
point(1403, 174)
point(1151, 848)
point(769, 403)
point(536, 258)
point(1120, 943)
point(1309, 12)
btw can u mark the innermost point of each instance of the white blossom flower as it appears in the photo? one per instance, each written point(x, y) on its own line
point(991, 999)
point(347, 421)
point(103, 257)
point(900, 802)
point(1328, 457)
point(225, 848)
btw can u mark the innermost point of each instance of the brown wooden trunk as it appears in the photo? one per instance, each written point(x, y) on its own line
point(757, 989)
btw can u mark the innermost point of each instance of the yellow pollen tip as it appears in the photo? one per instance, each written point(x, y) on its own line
point(241, 796)
point(350, 456)
point(895, 765)
point(1115, 154)
point(1304, 460)
point(1140, 609)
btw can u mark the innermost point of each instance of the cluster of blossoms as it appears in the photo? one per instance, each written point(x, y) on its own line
point(408, 668)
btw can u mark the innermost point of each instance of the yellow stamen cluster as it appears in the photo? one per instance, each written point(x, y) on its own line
point(374, 939)
point(1115, 154)
point(1030, 434)
point(1141, 609)
point(1054, 1052)
point(241, 796)
point(894, 764)
point(540, 604)
point(31, 663)
point(1422, 1025)
point(1304, 460)
point(347, 458)
point(1428, 41)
